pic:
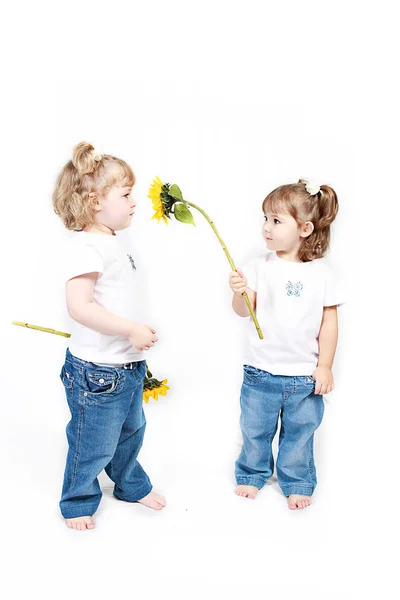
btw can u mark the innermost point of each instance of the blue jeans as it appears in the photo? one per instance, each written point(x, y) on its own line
point(264, 397)
point(105, 432)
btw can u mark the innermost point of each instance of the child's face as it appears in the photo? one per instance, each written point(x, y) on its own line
point(281, 232)
point(116, 208)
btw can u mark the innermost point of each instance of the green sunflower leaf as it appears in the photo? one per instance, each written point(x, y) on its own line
point(175, 192)
point(183, 214)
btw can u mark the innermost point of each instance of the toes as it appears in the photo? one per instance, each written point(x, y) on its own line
point(293, 502)
point(160, 502)
point(246, 492)
point(80, 524)
point(298, 502)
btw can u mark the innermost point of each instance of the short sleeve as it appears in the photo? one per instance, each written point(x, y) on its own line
point(81, 259)
point(250, 272)
point(335, 294)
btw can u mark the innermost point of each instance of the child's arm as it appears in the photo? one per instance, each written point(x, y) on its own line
point(327, 340)
point(238, 283)
point(83, 309)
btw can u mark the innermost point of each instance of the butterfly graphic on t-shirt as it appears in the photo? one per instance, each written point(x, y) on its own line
point(294, 289)
point(132, 262)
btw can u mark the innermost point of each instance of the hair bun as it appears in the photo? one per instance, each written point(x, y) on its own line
point(85, 158)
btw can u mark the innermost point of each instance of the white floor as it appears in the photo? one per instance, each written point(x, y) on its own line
point(206, 543)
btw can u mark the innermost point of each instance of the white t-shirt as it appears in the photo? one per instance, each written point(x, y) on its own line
point(116, 288)
point(290, 301)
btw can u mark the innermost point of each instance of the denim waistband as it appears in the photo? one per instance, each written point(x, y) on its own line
point(129, 365)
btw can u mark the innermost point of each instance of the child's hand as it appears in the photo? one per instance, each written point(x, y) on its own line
point(238, 282)
point(142, 337)
point(324, 382)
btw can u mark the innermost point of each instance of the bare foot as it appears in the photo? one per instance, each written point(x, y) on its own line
point(247, 491)
point(296, 501)
point(153, 500)
point(80, 523)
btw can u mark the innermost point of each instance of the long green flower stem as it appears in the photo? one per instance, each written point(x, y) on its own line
point(46, 329)
point(232, 264)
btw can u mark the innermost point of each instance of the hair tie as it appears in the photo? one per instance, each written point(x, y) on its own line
point(312, 188)
point(97, 156)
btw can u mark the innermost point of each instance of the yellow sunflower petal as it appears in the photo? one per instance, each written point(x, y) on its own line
point(156, 188)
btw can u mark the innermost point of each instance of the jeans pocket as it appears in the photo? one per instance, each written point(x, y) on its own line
point(252, 371)
point(68, 382)
point(307, 381)
point(99, 384)
point(253, 376)
point(66, 378)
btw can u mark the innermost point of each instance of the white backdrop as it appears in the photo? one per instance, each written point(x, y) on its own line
point(228, 101)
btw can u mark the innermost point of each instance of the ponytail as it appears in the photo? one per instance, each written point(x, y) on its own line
point(324, 213)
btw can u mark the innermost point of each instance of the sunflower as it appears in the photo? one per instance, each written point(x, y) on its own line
point(167, 200)
point(158, 193)
point(152, 387)
point(160, 388)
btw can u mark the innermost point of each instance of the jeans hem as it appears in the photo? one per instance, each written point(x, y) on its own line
point(250, 480)
point(82, 511)
point(302, 490)
point(138, 496)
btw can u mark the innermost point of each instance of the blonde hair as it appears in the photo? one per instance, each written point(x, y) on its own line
point(88, 172)
point(321, 209)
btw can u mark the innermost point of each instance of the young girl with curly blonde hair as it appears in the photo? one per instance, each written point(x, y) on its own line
point(104, 364)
